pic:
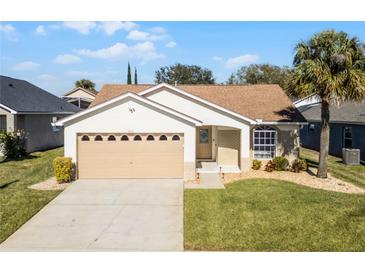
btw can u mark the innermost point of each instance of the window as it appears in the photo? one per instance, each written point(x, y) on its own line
point(347, 137)
point(163, 138)
point(85, 138)
point(2, 122)
point(311, 127)
point(111, 138)
point(124, 138)
point(150, 138)
point(203, 136)
point(137, 138)
point(98, 138)
point(175, 138)
point(264, 142)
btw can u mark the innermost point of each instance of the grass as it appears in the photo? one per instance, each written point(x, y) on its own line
point(272, 215)
point(18, 203)
point(351, 174)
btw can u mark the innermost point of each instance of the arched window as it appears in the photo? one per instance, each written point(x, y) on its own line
point(124, 138)
point(137, 138)
point(175, 138)
point(264, 142)
point(150, 138)
point(98, 138)
point(85, 138)
point(163, 138)
point(111, 138)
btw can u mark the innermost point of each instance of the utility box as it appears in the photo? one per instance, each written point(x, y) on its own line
point(351, 156)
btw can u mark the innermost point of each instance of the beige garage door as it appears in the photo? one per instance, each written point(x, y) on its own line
point(130, 155)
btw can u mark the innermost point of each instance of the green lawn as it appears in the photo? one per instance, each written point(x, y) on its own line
point(18, 203)
point(272, 215)
point(351, 174)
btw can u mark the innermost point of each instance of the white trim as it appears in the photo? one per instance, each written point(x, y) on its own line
point(79, 88)
point(265, 145)
point(187, 94)
point(282, 123)
point(121, 97)
point(12, 111)
point(45, 113)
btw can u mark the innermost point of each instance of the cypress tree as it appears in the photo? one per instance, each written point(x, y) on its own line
point(129, 76)
point(135, 76)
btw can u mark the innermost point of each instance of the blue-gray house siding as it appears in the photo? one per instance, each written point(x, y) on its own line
point(310, 137)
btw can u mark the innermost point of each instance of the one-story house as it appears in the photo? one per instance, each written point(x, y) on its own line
point(80, 97)
point(24, 106)
point(347, 125)
point(164, 131)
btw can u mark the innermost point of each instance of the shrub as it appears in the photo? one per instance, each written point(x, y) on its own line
point(12, 144)
point(63, 169)
point(281, 163)
point(299, 165)
point(270, 166)
point(256, 164)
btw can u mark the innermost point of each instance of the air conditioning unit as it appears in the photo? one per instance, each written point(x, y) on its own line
point(351, 156)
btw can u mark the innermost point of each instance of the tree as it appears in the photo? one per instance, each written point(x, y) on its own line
point(331, 65)
point(129, 76)
point(86, 84)
point(184, 74)
point(135, 76)
point(261, 74)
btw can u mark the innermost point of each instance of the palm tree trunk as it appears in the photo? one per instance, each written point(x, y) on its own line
point(325, 139)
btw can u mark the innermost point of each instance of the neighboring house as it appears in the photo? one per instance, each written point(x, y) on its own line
point(164, 131)
point(347, 125)
point(27, 107)
point(80, 97)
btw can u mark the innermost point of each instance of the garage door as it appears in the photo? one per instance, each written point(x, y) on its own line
point(135, 155)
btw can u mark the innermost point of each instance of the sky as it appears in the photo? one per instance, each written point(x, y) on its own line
point(53, 55)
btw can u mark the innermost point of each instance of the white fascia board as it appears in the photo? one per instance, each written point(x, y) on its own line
point(187, 94)
point(12, 111)
point(121, 97)
point(282, 123)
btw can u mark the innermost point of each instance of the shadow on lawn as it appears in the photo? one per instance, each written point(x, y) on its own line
point(5, 185)
point(28, 157)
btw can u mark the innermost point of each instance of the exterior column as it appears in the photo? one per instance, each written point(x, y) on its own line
point(245, 162)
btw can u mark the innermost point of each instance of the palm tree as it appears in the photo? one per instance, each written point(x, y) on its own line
point(86, 84)
point(331, 65)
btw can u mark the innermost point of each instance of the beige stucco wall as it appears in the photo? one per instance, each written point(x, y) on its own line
point(287, 142)
point(228, 148)
point(10, 119)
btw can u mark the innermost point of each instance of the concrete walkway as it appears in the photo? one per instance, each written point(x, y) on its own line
point(107, 215)
point(207, 181)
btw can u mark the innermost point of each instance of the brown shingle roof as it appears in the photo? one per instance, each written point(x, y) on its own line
point(266, 102)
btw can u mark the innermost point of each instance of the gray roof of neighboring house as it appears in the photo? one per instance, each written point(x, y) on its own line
point(347, 112)
point(22, 96)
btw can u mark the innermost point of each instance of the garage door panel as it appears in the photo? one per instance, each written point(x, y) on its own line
point(130, 159)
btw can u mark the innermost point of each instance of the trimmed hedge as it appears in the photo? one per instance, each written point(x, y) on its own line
point(281, 163)
point(256, 164)
point(62, 167)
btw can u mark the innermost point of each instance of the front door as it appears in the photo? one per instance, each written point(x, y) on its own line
point(204, 143)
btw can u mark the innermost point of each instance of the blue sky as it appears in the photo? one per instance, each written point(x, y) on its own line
point(53, 55)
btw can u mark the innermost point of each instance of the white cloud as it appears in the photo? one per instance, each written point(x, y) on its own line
point(145, 51)
point(7, 28)
point(144, 36)
point(83, 27)
point(27, 65)
point(158, 30)
point(77, 73)
point(171, 44)
point(65, 59)
point(240, 60)
point(47, 77)
point(40, 30)
point(111, 27)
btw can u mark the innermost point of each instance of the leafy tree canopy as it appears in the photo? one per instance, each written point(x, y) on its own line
point(261, 74)
point(184, 74)
point(86, 84)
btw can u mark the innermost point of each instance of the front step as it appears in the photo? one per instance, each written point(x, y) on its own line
point(212, 167)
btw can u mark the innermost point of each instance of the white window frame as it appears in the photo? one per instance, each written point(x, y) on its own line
point(344, 136)
point(264, 129)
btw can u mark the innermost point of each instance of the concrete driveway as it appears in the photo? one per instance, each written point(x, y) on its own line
point(107, 215)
